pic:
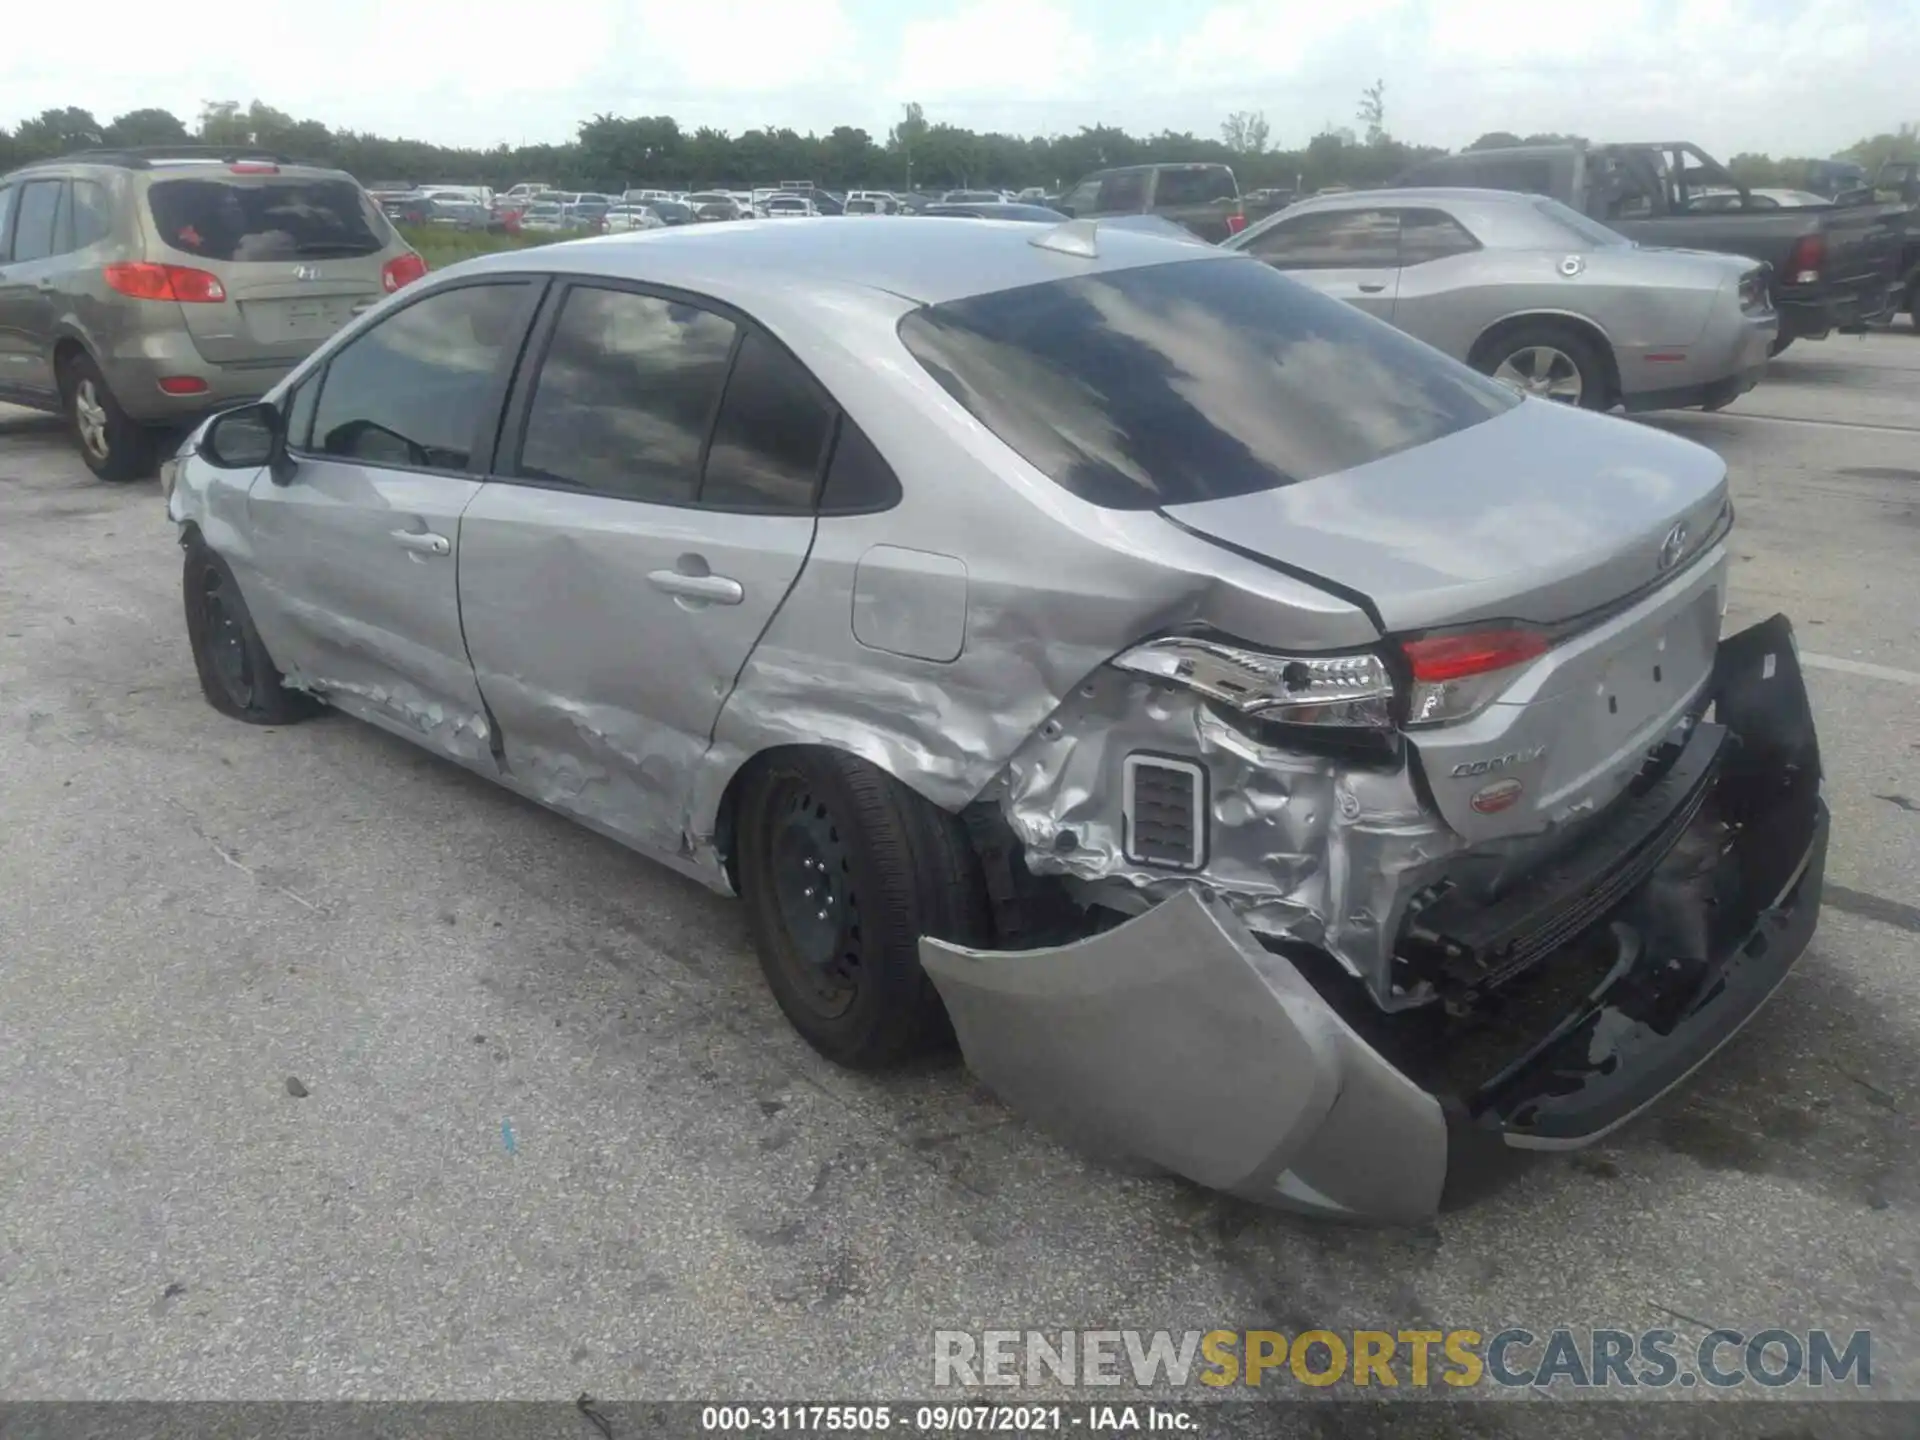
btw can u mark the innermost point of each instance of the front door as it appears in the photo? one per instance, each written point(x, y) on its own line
point(357, 547)
point(1350, 254)
point(638, 537)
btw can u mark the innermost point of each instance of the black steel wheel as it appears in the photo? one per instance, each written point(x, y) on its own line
point(843, 869)
point(237, 676)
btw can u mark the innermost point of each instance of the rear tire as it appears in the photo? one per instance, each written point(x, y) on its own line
point(237, 675)
point(1549, 361)
point(115, 447)
point(843, 869)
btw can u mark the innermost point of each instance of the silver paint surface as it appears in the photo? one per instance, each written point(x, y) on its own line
point(1177, 1038)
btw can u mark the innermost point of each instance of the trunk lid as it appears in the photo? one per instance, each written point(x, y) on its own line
point(1605, 530)
point(1541, 514)
point(298, 257)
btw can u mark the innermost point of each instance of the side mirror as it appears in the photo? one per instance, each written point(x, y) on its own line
point(248, 438)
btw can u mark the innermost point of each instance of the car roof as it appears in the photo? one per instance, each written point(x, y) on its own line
point(924, 259)
point(1416, 195)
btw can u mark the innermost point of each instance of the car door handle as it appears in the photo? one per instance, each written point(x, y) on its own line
point(716, 588)
point(1372, 287)
point(423, 542)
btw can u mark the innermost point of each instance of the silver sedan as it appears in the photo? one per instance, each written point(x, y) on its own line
point(1535, 294)
point(1274, 749)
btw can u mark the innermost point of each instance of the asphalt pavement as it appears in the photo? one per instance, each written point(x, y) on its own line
point(329, 1071)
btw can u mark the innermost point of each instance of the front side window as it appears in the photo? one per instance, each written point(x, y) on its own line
point(37, 225)
point(772, 433)
point(272, 219)
point(1191, 380)
point(412, 391)
point(1332, 240)
point(625, 396)
point(1125, 192)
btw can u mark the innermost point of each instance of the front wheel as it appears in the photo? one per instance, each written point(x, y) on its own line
point(843, 869)
point(237, 675)
point(116, 447)
point(1547, 362)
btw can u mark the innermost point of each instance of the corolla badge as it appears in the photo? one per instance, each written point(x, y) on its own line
point(306, 272)
point(1674, 546)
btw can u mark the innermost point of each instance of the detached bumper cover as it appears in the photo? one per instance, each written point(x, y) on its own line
point(1178, 1038)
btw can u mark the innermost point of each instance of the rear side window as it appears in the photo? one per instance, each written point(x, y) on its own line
point(858, 476)
point(276, 219)
point(1332, 240)
point(1194, 187)
point(772, 433)
point(1432, 235)
point(1532, 177)
point(1191, 380)
point(626, 395)
point(36, 225)
point(410, 393)
point(92, 213)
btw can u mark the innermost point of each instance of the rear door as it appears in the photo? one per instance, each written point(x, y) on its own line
point(651, 505)
point(297, 256)
point(1350, 254)
point(351, 573)
point(29, 285)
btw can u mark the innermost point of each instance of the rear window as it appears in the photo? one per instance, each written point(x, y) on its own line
point(1188, 381)
point(271, 220)
point(1571, 220)
point(1198, 186)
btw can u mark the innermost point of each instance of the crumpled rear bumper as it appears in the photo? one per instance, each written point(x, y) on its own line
point(1179, 1038)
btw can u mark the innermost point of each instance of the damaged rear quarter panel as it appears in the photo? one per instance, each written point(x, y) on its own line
point(1053, 588)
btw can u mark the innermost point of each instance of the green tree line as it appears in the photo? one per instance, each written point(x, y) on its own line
point(612, 152)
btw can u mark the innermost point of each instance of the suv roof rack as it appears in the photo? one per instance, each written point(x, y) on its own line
point(144, 157)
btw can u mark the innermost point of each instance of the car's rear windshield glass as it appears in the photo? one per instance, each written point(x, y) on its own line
point(270, 220)
point(1197, 380)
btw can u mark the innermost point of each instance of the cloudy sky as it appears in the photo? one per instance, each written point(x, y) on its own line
point(1784, 76)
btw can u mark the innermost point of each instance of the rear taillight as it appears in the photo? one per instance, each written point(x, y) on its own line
point(401, 271)
point(1809, 254)
point(1753, 291)
point(1236, 223)
point(252, 167)
point(142, 280)
point(1457, 674)
point(1353, 691)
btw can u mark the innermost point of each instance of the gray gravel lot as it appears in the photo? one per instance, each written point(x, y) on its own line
point(556, 1136)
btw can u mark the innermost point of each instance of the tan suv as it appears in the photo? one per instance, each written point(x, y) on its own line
point(140, 289)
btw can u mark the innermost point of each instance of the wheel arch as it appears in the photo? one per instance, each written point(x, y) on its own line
point(1585, 326)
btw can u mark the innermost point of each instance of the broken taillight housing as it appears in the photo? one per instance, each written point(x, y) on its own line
point(1353, 690)
point(1457, 674)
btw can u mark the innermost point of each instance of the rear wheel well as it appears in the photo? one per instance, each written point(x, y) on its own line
point(1585, 329)
point(65, 351)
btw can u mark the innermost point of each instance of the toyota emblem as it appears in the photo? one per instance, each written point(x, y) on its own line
point(1674, 546)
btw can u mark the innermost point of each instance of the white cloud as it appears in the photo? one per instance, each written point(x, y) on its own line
point(993, 50)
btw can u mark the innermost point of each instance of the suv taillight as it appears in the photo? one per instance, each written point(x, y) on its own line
point(143, 280)
point(1809, 254)
point(401, 271)
point(1236, 222)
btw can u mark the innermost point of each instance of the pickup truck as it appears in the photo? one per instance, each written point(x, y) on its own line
point(1899, 183)
point(1833, 267)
